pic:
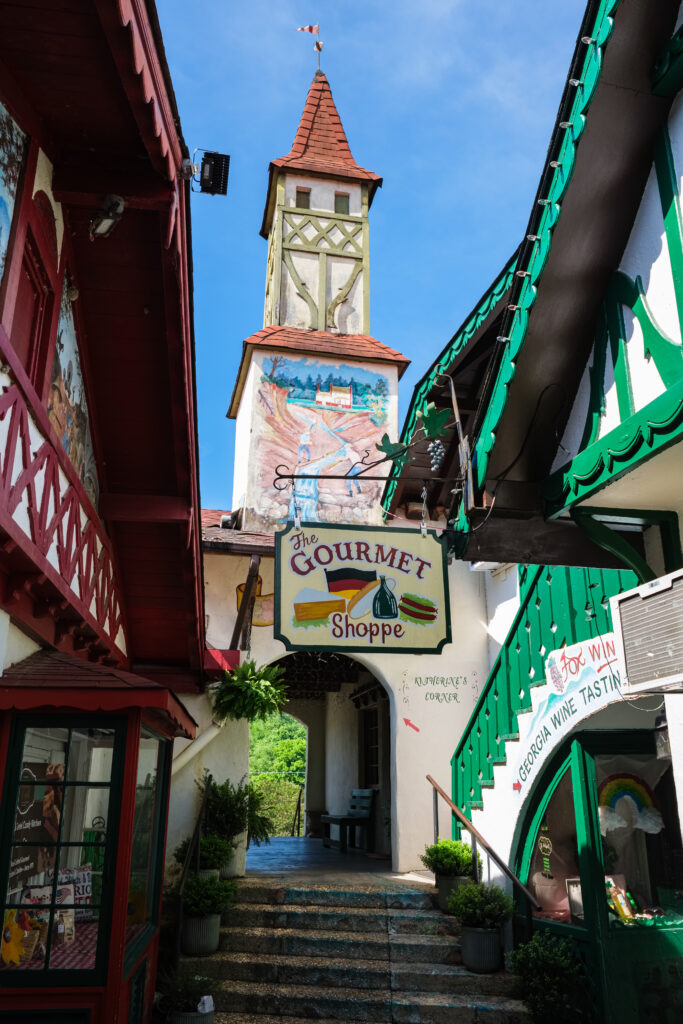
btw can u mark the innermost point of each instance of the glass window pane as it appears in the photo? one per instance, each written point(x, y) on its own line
point(25, 931)
point(74, 941)
point(303, 198)
point(84, 805)
point(91, 755)
point(641, 840)
point(143, 851)
point(554, 872)
point(341, 202)
point(31, 866)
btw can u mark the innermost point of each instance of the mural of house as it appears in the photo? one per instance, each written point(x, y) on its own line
point(569, 374)
point(101, 617)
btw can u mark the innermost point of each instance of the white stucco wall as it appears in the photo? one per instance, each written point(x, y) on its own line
point(502, 601)
point(243, 440)
point(323, 192)
point(14, 644)
point(435, 693)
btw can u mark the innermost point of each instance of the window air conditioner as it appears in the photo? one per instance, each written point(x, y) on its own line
point(648, 627)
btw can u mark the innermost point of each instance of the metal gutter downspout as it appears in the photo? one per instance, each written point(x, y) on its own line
point(194, 748)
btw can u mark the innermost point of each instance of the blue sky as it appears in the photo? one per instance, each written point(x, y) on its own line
point(451, 101)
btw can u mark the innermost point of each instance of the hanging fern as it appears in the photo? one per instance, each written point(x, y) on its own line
point(250, 692)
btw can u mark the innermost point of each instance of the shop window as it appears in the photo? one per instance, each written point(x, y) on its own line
point(143, 887)
point(341, 202)
point(554, 870)
point(56, 908)
point(12, 151)
point(641, 840)
point(303, 198)
point(67, 405)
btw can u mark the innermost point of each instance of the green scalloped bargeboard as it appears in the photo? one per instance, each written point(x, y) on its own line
point(458, 342)
point(589, 78)
point(641, 436)
point(558, 605)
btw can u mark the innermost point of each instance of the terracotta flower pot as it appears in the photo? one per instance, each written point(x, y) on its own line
point(201, 935)
point(481, 949)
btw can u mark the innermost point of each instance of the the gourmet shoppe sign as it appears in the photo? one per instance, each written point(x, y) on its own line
point(360, 589)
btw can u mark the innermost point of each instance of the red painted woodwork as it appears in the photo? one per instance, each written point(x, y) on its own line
point(218, 662)
point(54, 517)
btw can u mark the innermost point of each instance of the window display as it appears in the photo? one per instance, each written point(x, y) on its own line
point(58, 852)
point(553, 876)
point(141, 889)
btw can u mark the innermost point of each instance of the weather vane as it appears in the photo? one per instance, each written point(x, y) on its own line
point(318, 45)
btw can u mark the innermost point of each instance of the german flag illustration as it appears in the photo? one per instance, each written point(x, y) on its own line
point(347, 582)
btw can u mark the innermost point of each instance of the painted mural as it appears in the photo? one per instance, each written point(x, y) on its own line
point(12, 146)
point(317, 418)
point(67, 405)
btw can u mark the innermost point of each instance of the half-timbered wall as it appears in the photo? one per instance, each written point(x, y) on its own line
point(318, 260)
point(48, 476)
point(638, 355)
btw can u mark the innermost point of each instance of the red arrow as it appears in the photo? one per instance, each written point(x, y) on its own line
point(409, 723)
point(517, 786)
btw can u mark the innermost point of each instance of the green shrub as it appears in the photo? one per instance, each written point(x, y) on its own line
point(279, 802)
point(214, 852)
point(448, 857)
point(551, 979)
point(249, 692)
point(205, 896)
point(227, 807)
point(480, 906)
point(260, 826)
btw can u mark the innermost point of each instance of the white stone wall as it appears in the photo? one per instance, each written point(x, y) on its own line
point(434, 693)
point(323, 191)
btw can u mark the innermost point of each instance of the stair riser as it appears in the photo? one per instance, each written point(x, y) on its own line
point(395, 922)
point(336, 898)
point(397, 949)
point(332, 1007)
point(457, 981)
point(477, 1013)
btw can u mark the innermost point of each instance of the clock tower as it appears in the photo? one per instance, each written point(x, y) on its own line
point(314, 391)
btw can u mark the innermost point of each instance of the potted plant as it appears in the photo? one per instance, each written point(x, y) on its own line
point(451, 862)
point(249, 692)
point(481, 910)
point(204, 900)
point(227, 815)
point(260, 827)
point(181, 995)
point(551, 979)
point(214, 852)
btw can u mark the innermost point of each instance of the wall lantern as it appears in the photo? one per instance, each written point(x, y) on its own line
point(107, 217)
point(662, 746)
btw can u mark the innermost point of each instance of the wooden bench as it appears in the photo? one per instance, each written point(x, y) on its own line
point(358, 816)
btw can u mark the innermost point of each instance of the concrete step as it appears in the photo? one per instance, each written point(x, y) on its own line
point(339, 973)
point(321, 1003)
point(418, 898)
point(438, 949)
point(341, 919)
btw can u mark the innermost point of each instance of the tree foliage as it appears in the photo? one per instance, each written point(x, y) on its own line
point(277, 749)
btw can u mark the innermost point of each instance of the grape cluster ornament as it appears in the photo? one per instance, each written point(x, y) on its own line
point(436, 451)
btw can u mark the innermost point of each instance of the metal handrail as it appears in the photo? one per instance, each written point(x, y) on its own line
point(296, 823)
point(477, 837)
point(193, 849)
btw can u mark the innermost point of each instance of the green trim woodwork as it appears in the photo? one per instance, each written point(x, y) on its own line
point(295, 238)
point(365, 208)
point(649, 431)
point(558, 605)
point(458, 342)
point(589, 78)
point(302, 290)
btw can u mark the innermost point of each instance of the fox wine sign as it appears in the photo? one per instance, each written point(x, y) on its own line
point(361, 589)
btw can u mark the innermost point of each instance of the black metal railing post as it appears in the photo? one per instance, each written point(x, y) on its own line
point(436, 816)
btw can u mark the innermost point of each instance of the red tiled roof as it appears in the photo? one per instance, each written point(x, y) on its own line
point(320, 144)
point(213, 516)
point(348, 346)
point(237, 542)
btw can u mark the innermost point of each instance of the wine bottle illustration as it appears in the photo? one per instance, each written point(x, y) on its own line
point(384, 605)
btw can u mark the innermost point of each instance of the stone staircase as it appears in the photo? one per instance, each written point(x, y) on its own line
point(362, 954)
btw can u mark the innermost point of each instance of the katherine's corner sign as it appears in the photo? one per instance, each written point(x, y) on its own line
point(361, 589)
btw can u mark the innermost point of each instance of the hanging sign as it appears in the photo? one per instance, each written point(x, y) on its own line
point(580, 680)
point(349, 588)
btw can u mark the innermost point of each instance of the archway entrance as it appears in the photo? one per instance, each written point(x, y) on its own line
point(346, 712)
